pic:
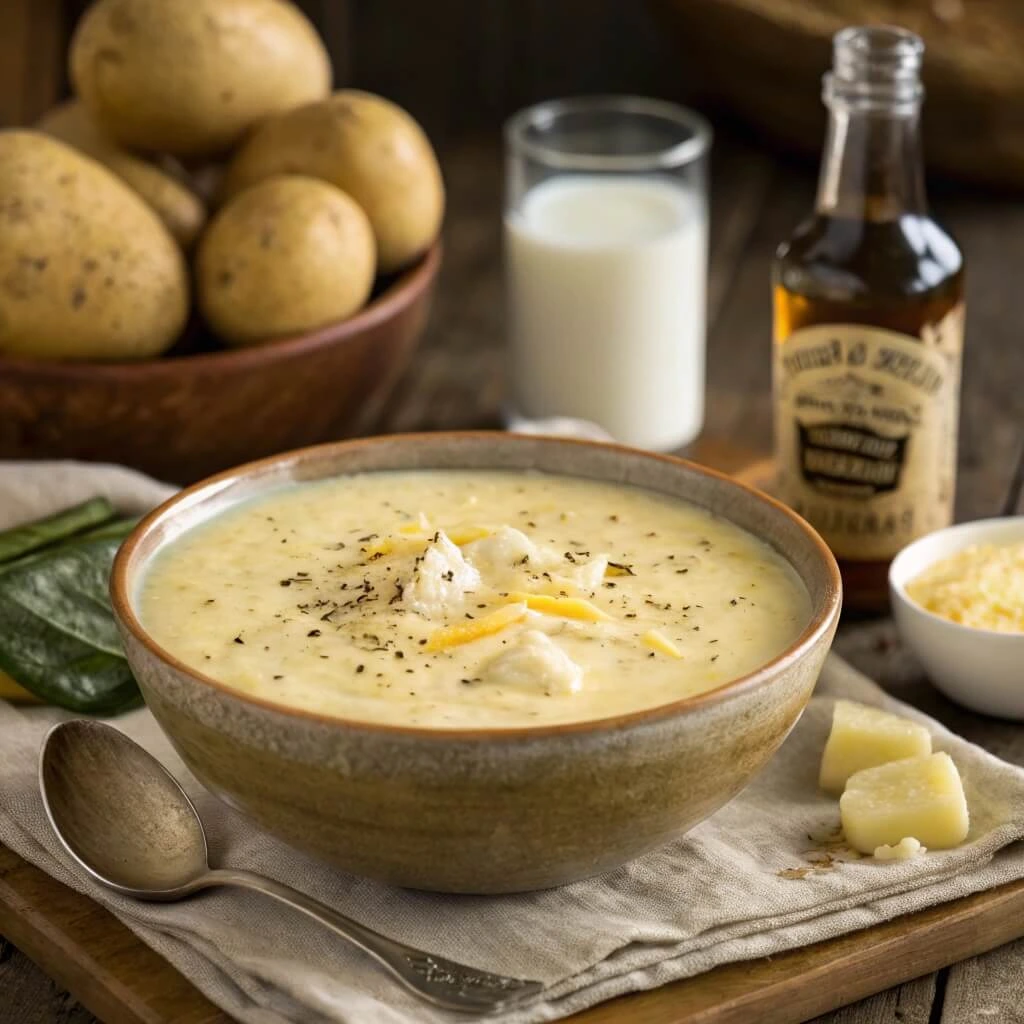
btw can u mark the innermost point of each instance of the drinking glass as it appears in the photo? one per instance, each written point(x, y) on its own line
point(606, 229)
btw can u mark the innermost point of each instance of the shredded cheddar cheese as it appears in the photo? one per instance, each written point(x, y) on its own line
point(982, 586)
point(563, 607)
point(465, 534)
point(414, 536)
point(421, 524)
point(657, 641)
point(466, 632)
point(619, 569)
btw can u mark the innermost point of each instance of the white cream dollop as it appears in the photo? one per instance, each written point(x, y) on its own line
point(441, 579)
point(534, 663)
point(504, 548)
point(588, 575)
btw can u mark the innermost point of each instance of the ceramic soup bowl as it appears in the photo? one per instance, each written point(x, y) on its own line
point(481, 811)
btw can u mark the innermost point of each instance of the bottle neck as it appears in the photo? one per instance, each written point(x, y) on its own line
point(872, 166)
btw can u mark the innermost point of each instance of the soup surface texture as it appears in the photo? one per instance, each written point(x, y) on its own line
point(459, 599)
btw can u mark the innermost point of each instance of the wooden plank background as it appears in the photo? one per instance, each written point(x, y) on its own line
point(460, 66)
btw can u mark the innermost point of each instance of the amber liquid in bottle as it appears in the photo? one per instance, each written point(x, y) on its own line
point(865, 424)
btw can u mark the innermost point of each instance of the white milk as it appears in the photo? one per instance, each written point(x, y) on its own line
point(606, 284)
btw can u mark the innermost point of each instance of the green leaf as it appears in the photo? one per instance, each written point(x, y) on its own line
point(21, 540)
point(119, 528)
point(57, 633)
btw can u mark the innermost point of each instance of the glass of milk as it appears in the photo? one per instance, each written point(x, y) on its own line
point(606, 230)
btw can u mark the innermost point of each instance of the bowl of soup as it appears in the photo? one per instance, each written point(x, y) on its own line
point(475, 663)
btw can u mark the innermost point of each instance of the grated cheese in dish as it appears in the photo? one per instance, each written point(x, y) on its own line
point(981, 586)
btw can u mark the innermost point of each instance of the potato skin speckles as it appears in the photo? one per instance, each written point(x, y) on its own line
point(191, 77)
point(366, 146)
point(284, 257)
point(87, 269)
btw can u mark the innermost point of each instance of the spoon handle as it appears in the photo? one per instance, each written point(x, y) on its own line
point(437, 979)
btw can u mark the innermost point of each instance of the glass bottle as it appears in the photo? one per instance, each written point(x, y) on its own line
point(868, 326)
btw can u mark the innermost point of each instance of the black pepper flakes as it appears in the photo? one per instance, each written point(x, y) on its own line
point(313, 632)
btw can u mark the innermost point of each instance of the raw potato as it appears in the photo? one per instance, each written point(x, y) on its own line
point(284, 257)
point(368, 147)
point(177, 205)
point(190, 77)
point(87, 269)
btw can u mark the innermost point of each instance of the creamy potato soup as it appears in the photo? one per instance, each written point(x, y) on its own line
point(471, 599)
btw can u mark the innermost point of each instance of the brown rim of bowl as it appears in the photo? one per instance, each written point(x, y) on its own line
point(404, 290)
point(819, 624)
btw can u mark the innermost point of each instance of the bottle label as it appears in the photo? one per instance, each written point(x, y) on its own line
point(865, 432)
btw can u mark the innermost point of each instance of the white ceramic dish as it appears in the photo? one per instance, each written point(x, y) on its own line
point(979, 668)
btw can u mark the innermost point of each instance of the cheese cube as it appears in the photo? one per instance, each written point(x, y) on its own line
point(920, 798)
point(863, 737)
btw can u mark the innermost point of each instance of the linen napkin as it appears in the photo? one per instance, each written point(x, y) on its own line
point(764, 874)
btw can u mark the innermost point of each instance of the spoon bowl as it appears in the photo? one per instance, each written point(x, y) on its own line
point(127, 822)
point(120, 813)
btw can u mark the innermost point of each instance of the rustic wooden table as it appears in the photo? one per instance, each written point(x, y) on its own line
point(457, 382)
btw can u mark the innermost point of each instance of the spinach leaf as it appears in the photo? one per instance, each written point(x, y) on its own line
point(119, 528)
point(116, 528)
point(21, 540)
point(57, 632)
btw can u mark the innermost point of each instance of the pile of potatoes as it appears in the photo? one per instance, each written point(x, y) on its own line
point(204, 153)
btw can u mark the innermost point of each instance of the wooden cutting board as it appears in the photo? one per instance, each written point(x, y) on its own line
point(88, 951)
point(122, 981)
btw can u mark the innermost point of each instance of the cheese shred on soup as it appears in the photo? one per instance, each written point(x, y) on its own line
point(455, 599)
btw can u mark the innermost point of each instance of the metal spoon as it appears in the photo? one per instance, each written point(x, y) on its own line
point(123, 817)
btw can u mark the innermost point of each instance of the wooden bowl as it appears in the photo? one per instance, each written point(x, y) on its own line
point(480, 810)
point(763, 59)
point(180, 418)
